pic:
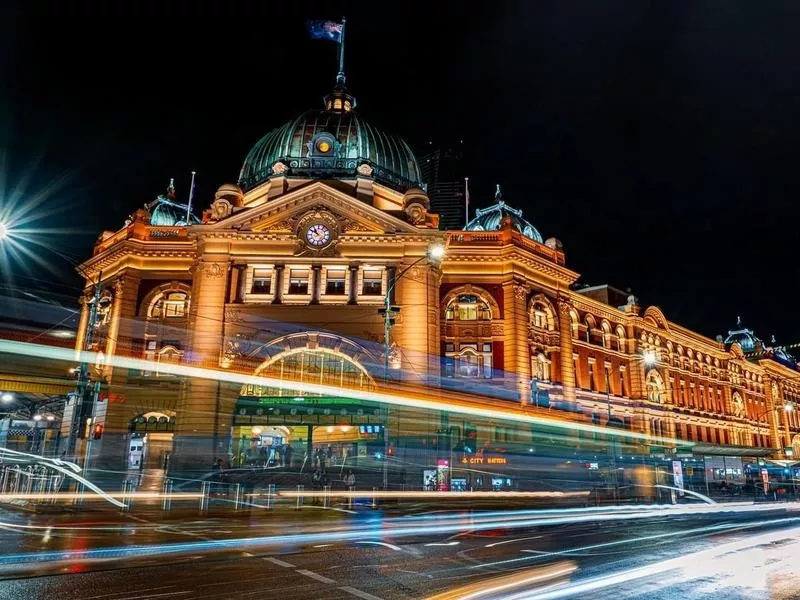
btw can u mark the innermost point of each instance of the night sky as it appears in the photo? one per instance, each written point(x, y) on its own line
point(657, 140)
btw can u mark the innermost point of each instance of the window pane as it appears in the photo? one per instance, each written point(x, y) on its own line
point(262, 282)
point(372, 283)
point(298, 281)
point(334, 282)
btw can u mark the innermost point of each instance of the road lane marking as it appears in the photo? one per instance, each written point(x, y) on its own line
point(313, 575)
point(279, 562)
point(157, 595)
point(359, 593)
point(443, 544)
point(512, 541)
point(392, 546)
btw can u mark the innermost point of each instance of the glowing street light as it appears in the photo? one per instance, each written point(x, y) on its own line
point(650, 358)
point(5, 231)
point(7, 397)
point(37, 417)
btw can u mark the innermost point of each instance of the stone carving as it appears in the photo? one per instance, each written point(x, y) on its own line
point(220, 209)
point(213, 270)
point(364, 169)
point(279, 168)
point(497, 329)
point(520, 293)
point(416, 213)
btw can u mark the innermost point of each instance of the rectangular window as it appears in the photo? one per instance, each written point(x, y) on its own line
point(262, 281)
point(334, 282)
point(372, 284)
point(298, 281)
point(592, 382)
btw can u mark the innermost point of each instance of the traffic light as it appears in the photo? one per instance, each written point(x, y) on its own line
point(98, 431)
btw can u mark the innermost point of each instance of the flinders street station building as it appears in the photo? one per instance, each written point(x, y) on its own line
point(278, 296)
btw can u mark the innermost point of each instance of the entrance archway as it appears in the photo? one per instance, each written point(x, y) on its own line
point(279, 426)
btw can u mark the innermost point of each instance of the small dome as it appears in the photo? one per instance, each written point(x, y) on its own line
point(170, 214)
point(332, 143)
point(165, 212)
point(746, 339)
point(230, 192)
point(491, 219)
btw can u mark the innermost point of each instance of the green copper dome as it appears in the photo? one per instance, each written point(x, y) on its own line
point(332, 143)
point(491, 219)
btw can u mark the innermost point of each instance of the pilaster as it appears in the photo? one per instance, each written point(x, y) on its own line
point(567, 366)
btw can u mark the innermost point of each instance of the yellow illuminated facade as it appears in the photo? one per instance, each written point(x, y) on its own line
point(287, 272)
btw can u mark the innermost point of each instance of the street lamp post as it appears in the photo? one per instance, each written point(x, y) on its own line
point(435, 252)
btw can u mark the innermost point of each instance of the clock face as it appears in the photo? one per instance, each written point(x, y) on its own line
point(318, 235)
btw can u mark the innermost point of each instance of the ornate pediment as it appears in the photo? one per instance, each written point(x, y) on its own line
point(284, 214)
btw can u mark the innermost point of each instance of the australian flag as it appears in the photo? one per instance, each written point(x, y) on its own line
point(325, 30)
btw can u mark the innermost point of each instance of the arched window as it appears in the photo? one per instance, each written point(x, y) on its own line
point(468, 307)
point(541, 315)
point(541, 367)
point(574, 325)
point(654, 386)
point(470, 360)
point(169, 305)
point(620, 338)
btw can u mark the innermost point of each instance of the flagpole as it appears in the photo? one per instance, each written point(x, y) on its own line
point(340, 76)
point(189, 205)
point(466, 203)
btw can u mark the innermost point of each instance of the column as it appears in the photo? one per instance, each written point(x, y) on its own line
point(278, 281)
point(110, 452)
point(352, 296)
point(204, 410)
point(567, 366)
point(417, 333)
point(782, 403)
point(113, 326)
point(83, 324)
point(316, 281)
point(517, 362)
point(241, 283)
point(770, 401)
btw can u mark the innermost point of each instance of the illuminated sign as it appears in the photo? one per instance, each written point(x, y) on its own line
point(480, 460)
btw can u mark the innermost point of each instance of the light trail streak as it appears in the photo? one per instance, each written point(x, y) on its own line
point(438, 405)
point(433, 495)
point(686, 561)
point(705, 499)
point(688, 532)
point(64, 467)
point(487, 588)
point(368, 531)
point(117, 494)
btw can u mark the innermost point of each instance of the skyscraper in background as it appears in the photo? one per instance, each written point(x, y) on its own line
point(444, 169)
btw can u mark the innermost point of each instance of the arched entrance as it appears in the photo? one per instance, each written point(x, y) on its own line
point(150, 444)
point(286, 427)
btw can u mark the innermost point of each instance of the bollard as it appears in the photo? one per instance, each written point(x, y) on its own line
point(270, 492)
point(374, 497)
point(166, 501)
point(125, 491)
point(350, 489)
point(204, 491)
point(326, 496)
point(4, 480)
point(299, 497)
point(237, 496)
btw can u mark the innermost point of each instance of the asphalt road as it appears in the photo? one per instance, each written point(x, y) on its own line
point(739, 553)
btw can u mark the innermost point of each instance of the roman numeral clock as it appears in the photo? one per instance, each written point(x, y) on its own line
point(318, 232)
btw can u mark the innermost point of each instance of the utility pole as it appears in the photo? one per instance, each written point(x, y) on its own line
point(85, 392)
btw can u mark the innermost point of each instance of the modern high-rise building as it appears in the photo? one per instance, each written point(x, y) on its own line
point(444, 171)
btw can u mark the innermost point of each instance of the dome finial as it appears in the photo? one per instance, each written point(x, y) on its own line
point(738, 321)
point(772, 339)
point(498, 195)
point(171, 189)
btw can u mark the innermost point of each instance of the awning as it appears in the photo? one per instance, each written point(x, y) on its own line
point(721, 450)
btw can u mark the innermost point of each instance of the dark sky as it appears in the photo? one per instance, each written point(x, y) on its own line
point(657, 140)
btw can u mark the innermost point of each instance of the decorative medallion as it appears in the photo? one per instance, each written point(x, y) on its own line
point(279, 168)
point(220, 209)
point(364, 169)
point(416, 213)
point(738, 405)
point(212, 270)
